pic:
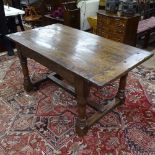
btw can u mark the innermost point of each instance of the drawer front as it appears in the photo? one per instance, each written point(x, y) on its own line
point(112, 36)
point(102, 19)
point(115, 37)
point(102, 34)
point(117, 28)
point(111, 28)
point(119, 31)
point(120, 22)
point(105, 21)
point(111, 21)
point(111, 24)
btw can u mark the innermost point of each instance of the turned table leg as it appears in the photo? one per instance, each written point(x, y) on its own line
point(121, 89)
point(82, 92)
point(28, 86)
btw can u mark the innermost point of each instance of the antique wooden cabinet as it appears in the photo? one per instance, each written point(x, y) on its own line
point(117, 28)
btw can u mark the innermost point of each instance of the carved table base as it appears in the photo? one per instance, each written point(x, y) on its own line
point(81, 92)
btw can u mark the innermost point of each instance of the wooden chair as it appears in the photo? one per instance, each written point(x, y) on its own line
point(32, 15)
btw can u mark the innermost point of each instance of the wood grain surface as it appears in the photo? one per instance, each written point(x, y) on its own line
point(96, 59)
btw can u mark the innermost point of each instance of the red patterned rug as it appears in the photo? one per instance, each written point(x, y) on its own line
point(42, 122)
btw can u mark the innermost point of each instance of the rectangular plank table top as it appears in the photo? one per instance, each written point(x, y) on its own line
point(95, 59)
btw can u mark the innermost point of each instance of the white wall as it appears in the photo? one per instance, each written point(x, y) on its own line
point(87, 8)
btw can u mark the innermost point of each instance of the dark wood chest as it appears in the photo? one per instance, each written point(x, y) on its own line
point(117, 28)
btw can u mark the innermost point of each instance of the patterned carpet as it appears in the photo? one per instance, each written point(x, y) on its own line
point(42, 122)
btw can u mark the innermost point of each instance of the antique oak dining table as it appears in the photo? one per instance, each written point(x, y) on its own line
point(81, 59)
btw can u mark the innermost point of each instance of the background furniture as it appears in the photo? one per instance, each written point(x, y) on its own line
point(145, 29)
point(70, 14)
point(13, 16)
point(48, 12)
point(4, 42)
point(146, 26)
point(11, 11)
point(117, 28)
point(75, 13)
point(146, 8)
point(32, 16)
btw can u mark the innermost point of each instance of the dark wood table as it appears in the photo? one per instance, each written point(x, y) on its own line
point(83, 60)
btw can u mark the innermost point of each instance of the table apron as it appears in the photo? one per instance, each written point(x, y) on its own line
point(66, 74)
